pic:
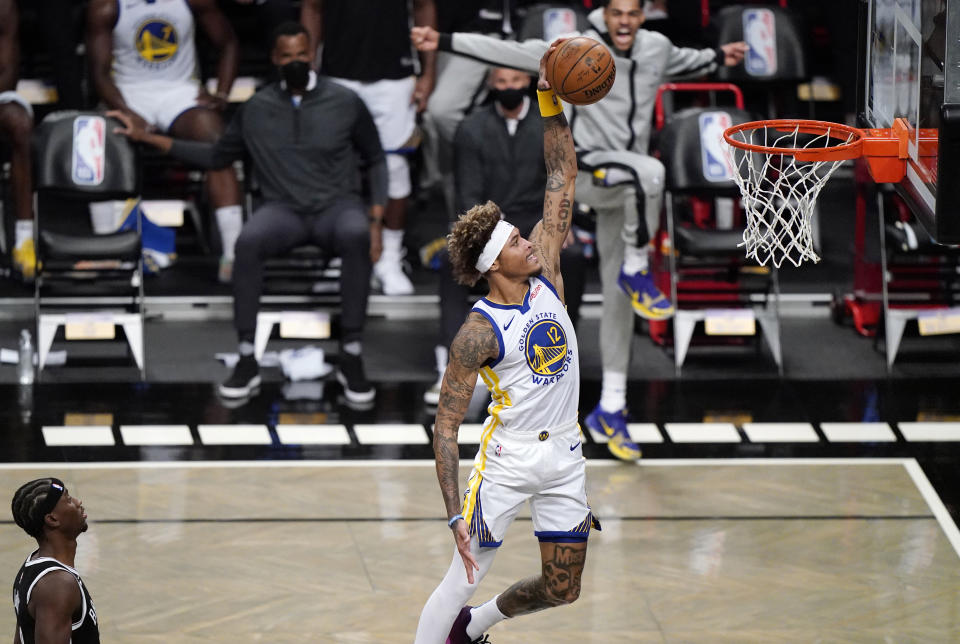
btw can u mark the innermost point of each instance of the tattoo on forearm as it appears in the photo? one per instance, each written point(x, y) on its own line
point(474, 345)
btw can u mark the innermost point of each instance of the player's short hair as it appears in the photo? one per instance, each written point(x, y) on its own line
point(32, 502)
point(465, 242)
point(287, 28)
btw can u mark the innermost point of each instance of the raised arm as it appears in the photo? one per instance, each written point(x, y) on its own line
point(425, 15)
point(475, 344)
point(561, 160)
point(524, 56)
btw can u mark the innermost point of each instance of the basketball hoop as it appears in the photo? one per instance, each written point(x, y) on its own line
point(780, 167)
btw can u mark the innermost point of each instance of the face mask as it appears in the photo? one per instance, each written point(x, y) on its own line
point(509, 99)
point(296, 75)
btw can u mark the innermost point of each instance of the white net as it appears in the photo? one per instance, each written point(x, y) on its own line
point(780, 192)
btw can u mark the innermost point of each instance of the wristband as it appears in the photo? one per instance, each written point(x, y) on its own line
point(550, 105)
point(454, 520)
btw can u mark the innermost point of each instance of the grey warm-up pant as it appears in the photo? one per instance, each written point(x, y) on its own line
point(342, 229)
point(619, 222)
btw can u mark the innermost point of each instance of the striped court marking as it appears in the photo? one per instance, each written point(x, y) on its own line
point(156, 435)
point(234, 434)
point(313, 434)
point(702, 432)
point(930, 432)
point(391, 434)
point(781, 433)
point(858, 432)
point(639, 433)
point(78, 435)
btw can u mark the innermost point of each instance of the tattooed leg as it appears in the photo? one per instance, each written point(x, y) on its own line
point(558, 584)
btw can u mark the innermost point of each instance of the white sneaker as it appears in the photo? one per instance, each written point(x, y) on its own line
point(391, 278)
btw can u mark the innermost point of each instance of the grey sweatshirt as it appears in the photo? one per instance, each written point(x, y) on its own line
point(306, 157)
point(621, 121)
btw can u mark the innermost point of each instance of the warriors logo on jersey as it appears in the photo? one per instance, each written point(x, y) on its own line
point(157, 41)
point(545, 347)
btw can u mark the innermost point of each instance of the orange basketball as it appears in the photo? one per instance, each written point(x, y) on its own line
point(581, 70)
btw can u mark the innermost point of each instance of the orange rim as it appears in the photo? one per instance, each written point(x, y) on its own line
point(852, 149)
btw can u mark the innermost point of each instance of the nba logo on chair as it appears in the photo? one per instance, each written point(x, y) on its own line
point(760, 32)
point(88, 150)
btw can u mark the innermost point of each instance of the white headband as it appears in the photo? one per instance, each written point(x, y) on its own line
point(498, 239)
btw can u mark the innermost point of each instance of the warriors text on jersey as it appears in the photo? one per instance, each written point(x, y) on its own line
point(535, 380)
point(84, 626)
point(153, 41)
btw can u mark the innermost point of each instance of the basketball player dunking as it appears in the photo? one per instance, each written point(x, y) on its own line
point(50, 600)
point(520, 340)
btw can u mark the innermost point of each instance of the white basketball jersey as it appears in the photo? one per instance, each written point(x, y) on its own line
point(535, 381)
point(153, 41)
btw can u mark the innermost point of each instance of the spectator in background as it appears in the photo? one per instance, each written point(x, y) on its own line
point(305, 135)
point(16, 126)
point(498, 152)
point(143, 63)
point(366, 47)
point(460, 82)
point(612, 136)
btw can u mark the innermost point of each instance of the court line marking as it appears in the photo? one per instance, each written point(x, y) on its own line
point(917, 432)
point(780, 433)
point(934, 502)
point(702, 432)
point(234, 434)
point(858, 432)
point(466, 462)
point(156, 435)
point(391, 434)
point(313, 434)
point(77, 435)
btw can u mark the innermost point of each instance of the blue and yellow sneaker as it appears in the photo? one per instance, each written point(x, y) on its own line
point(647, 300)
point(25, 260)
point(614, 427)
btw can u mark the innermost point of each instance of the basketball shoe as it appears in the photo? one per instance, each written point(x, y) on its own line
point(458, 632)
point(614, 427)
point(25, 260)
point(243, 381)
point(646, 299)
point(350, 374)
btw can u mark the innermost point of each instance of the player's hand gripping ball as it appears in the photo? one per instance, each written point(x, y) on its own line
point(581, 70)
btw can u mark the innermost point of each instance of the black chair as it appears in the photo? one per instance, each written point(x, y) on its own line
point(710, 280)
point(86, 283)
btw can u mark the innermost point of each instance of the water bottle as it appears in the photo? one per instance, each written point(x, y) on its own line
point(25, 365)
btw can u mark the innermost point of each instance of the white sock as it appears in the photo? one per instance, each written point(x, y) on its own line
point(636, 259)
point(353, 348)
point(229, 221)
point(451, 595)
point(246, 349)
point(483, 617)
point(23, 232)
point(613, 396)
point(392, 244)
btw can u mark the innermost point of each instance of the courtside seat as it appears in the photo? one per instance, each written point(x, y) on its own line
point(89, 284)
point(549, 20)
point(710, 281)
point(921, 279)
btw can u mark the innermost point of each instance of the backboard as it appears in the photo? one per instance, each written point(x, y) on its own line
point(911, 71)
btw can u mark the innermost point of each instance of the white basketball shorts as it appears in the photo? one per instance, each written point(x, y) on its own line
point(547, 467)
point(161, 102)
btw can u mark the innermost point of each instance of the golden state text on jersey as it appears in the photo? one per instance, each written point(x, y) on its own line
point(544, 343)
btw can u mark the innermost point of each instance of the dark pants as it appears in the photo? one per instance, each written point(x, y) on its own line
point(453, 296)
point(342, 230)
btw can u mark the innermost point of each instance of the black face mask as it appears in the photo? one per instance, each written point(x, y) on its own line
point(296, 74)
point(509, 99)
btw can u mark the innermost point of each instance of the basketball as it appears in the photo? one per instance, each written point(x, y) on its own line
point(581, 70)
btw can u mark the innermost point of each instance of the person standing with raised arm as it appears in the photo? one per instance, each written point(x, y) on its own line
point(521, 341)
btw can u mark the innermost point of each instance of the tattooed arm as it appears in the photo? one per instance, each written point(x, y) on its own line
point(475, 344)
point(561, 160)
